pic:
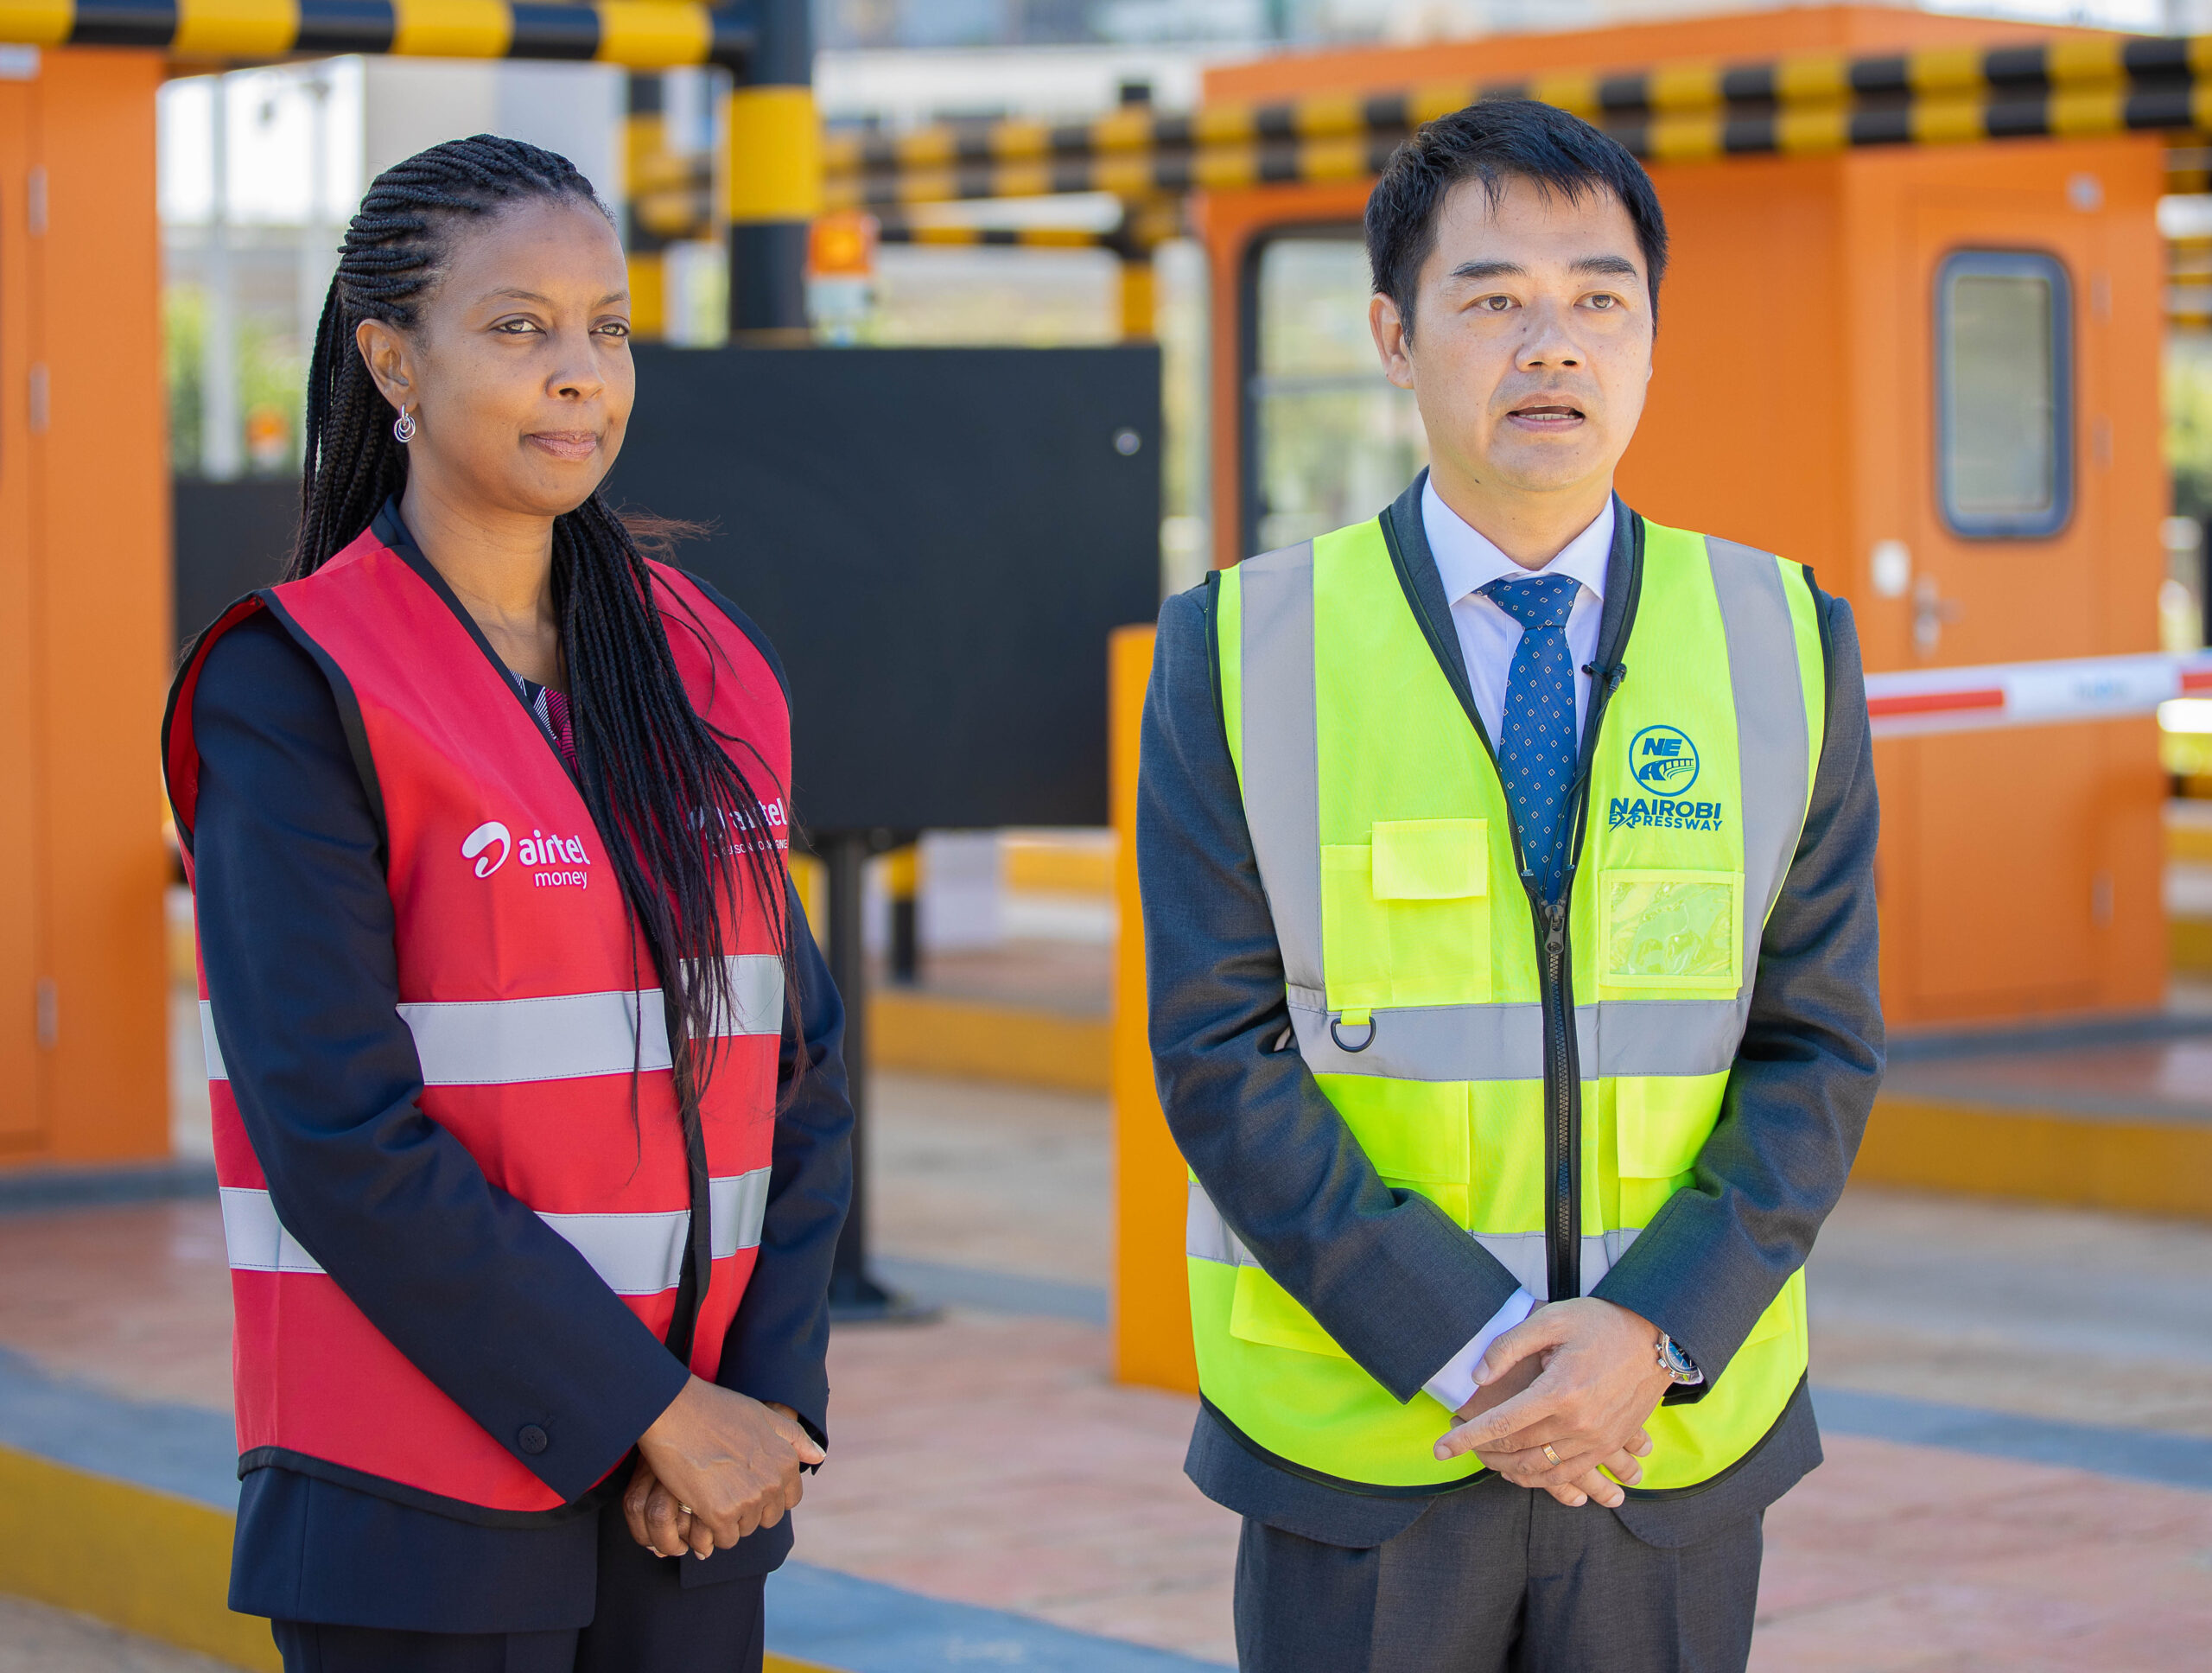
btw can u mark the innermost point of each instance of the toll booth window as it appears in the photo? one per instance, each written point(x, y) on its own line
point(2003, 377)
point(1332, 440)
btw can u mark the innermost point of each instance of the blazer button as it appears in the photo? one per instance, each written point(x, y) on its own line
point(532, 1439)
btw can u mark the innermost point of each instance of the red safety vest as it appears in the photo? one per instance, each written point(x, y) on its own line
point(520, 977)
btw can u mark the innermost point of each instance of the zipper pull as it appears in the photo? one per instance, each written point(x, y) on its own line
point(1555, 928)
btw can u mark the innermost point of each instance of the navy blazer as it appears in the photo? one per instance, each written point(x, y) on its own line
point(1389, 1275)
point(296, 934)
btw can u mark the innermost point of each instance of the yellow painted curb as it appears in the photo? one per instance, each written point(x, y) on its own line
point(161, 1567)
point(2145, 1167)
point(1059, 868)
point(147, 1562)
point(2190, 842)
point(975, 1039)
point(2189, 945)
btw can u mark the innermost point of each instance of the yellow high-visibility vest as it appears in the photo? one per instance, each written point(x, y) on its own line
point(1429, 985)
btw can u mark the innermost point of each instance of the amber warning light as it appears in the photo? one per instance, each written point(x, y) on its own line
point(841, 246)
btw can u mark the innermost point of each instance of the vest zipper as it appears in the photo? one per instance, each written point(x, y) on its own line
point(1562, 1056)
point(1563, 1048)
point(1554, 954)
point(1562, 1111)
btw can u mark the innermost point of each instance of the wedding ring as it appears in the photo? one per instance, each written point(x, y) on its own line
point(1552, 1455)
point(686, 1509)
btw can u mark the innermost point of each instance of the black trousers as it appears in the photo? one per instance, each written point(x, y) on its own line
point(1499, 1578)
point(645, 1618)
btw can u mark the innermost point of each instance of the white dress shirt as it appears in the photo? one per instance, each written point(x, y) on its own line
point(1467, 561)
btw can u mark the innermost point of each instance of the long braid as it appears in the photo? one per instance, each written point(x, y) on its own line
point(679, 816)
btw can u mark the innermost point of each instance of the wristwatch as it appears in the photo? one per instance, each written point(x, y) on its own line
point(1677, 1363)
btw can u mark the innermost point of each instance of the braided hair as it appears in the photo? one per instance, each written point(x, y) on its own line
point(684, 827)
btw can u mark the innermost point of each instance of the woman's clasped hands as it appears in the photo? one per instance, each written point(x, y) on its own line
point(715, 1466)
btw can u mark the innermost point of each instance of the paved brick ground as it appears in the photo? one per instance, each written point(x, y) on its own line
point(986, 1459)
point(36, 1639)
point(989, 1459)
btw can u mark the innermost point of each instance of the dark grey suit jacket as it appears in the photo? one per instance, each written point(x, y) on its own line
point(1398, 1286)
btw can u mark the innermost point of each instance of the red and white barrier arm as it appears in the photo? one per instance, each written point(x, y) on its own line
point(2031, 693)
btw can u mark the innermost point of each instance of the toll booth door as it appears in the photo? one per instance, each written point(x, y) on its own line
point(21, 1096)
point(1998, 888)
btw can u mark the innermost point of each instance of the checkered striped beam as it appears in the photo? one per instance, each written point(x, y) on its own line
point(1799, 104)
point(998, 238)
point(643, 34)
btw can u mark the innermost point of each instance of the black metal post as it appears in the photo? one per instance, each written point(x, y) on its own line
point(644, 141)
point(855, 1297)
point(775, 173)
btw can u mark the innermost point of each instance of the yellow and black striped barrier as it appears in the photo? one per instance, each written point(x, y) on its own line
point(1133, 175)
point(2189, 282)
point(1131, 244)
point(644, 34)
point(997, 238)
point(1800, 104)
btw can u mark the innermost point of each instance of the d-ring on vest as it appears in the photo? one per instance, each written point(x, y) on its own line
point(1392, 868)
point(518, 969)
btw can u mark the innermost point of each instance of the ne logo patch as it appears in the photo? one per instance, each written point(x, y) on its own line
point(1663, 760)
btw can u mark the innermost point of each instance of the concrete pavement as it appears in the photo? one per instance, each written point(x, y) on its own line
point(990, 1488)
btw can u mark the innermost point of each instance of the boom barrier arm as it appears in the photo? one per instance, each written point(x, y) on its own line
point(640, 34)
point(1800, 104)
point(1922, 700)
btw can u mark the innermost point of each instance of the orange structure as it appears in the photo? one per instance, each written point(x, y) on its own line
point(1796, 407)
point(84, 613)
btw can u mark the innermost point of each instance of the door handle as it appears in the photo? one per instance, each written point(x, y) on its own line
point(1931, 611)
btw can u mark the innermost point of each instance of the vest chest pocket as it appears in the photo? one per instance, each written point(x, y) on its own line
point(1660, 1123)
point(1681, 931)
point(1405, 916)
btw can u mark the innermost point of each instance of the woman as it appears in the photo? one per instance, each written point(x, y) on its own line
point(529, 1112)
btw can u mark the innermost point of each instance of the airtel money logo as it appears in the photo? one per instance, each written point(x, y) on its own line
point(556, 861)
point(473, 845)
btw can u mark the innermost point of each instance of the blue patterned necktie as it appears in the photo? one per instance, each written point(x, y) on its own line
point(1536, 754)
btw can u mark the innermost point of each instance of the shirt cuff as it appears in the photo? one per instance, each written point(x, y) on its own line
point(1454, 1385)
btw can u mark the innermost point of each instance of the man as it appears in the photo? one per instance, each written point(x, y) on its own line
point(1507, 865)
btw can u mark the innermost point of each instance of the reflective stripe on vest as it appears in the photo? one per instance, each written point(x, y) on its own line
point(1279, 765)
point(1414, 976)
point(485, 1042)
point(633, 1254)
point(1207, 1237)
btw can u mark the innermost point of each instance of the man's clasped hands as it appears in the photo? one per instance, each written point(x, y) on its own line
point(1580, 1377)
point(715, 1466)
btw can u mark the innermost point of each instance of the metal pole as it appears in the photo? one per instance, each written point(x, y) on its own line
point(222, 436)
point(644, 143)
point(855, 1296)
point(317, 254)
point(774, 136)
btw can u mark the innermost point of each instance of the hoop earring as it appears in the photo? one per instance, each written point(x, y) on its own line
point(403, 428)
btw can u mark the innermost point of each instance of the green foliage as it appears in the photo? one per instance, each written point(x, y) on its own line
point(184, 330)
point(271, 378)
point(2189, 424)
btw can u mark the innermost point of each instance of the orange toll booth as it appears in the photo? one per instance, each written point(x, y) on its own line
point(1930, 370)
point(1799, 404)
point(84, 611)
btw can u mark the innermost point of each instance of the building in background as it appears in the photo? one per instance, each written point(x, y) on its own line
point(253, 205)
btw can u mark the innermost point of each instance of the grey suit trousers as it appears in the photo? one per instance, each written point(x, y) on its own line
point(1499, 1578)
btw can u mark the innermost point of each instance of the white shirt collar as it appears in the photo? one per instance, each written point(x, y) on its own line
point(1466, 560)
